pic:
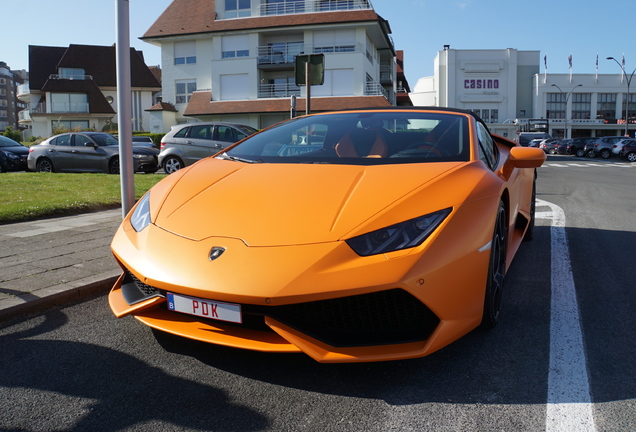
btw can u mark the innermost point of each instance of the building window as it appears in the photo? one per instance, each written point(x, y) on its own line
point(69, 125)
point(606, 106)
point(238, 8)
point(3, 92)
point(494, 116)
point(235, 46)
point(334, 41)
point(338, 82)
point(234, 87)
point(184, 90)
point(185, 53)
point(3, 81)
point(632, 105)
point(581, 105)
point(69, 103)
point(555, 105)
point(72, 73)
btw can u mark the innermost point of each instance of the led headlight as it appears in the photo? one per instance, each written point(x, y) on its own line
point(404, 235)
point(10, 155)
point(140, 218)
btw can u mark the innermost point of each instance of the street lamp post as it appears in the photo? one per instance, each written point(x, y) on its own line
point(567, 98)
point(629, 81)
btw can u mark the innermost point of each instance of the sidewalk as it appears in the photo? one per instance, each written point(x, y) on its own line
point(52, 261)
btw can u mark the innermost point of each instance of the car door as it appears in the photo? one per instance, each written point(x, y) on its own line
point(60, 152)
point(200, 143)
point(88, 156)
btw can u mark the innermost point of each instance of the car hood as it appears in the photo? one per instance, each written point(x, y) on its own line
point(284, 204)
point(19, 150)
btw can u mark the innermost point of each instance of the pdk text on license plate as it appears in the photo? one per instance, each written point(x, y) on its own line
point(205, 308)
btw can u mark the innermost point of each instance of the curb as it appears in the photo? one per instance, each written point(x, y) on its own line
point(61, 296)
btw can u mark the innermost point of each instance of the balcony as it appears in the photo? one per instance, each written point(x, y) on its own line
point(61, 108)
point(24, 92)
point(375, 89)
point(278, 56)
point(268, 91)
point(78, 77)
point(24, 116)
point(288, 7)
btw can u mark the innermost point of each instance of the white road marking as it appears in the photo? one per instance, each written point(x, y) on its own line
point(570, 405)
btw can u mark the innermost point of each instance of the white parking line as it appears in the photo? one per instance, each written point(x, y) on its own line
point(569, 400)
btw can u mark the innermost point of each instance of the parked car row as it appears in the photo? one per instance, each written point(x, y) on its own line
point(87, 152)
point(604, 147)
point(182, 146)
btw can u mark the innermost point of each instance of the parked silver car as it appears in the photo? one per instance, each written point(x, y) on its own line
point(186, 144)
point(87, 152)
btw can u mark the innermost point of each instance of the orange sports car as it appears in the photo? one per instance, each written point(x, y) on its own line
point(350, 236)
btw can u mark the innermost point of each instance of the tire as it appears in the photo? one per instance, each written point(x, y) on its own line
point(496, 270)
point(580, 152)
point(591, 154)
point(113, 166)
point(605, 153)
point(529, 235)
point(44, 165)
point(631, 157)
point(552, 151)
point(172, 164)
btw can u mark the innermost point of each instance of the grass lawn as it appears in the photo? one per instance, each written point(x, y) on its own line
point(28, 196)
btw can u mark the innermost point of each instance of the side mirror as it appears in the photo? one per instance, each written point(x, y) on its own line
point(90, 144)
point(526, 157)
point(523, 157)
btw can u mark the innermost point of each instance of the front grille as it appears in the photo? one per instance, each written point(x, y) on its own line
point(380, 318)
point(134, 290)
point(385, 317)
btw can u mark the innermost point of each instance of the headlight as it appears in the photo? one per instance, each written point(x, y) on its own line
point(140, 218)
point(10, 155)
point(400, 236)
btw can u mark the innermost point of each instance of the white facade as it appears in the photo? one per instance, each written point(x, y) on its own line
point(241, 59)
point(507, 90)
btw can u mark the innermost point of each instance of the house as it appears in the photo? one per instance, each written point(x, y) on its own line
point(234, 60)
point(76, 87)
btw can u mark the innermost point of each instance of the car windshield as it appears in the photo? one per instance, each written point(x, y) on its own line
point(361, 138)
point(105, 140)
point(8, 142)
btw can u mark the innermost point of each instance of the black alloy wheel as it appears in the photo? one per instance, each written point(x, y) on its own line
point(44, 165)
point(113, 166)
point(496, 270)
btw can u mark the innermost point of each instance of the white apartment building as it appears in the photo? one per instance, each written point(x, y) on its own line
point(505, 87)
point(233, 60)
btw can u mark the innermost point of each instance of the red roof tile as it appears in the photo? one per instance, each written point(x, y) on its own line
point(201, 104)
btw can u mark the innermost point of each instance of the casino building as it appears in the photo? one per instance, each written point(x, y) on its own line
point(507, 90)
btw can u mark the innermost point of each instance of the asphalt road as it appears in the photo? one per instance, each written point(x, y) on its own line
point(79, 368)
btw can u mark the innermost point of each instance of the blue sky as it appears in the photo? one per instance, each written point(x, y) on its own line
point(557, 28)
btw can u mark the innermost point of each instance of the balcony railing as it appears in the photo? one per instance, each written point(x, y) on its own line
point(60, 108)
point(71, 77)
point(267, 91)
point(287, 7)
point(24, 116)
point(376, 89)
point(286, 54)
point(386, 73)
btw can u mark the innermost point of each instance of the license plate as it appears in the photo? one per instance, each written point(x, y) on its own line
point(205, 308)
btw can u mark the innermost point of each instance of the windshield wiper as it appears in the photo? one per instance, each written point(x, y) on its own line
point(238, 159)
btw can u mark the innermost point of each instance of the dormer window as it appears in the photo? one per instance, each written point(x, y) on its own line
point(238, 8)
point(72, 73)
